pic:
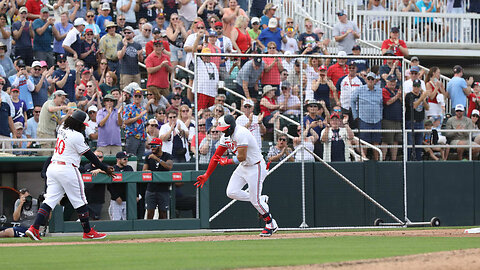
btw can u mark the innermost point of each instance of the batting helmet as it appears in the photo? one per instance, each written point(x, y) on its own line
point(226, 124)
point(79, 115)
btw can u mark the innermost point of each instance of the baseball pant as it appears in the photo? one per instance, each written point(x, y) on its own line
point(63, 179)
point(117, 211)
point(253, 176)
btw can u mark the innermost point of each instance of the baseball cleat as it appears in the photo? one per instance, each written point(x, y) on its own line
point(33, 233)
point(268, 232)
point(93, 235)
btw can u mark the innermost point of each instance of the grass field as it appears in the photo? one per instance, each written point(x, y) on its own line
point(218, 254)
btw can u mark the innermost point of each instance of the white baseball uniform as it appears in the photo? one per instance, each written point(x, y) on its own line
point(251, 171)
point(63, 175)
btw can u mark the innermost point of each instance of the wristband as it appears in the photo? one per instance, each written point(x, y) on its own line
point(235, 160)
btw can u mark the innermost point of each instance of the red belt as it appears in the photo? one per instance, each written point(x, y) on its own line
point(62, 163)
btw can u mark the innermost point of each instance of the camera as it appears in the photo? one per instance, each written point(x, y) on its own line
point(27, 205)
point(211, 76)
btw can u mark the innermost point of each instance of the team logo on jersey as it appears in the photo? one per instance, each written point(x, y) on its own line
point(232, 145)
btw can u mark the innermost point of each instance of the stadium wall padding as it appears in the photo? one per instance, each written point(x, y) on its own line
point(447, 190)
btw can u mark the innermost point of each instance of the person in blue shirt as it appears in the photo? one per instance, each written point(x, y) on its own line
point(269, 13)
point(65, 78)
point(458, 89)
point(44, 31)
point(104, 16)
point(315, 121)
point(272, 33)
point(367, 107)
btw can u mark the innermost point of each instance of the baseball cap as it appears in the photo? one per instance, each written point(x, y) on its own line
point(20, 63)
point(206, 50)
point(272, 23)
point(414, 59)
point(415, 69)
point(138, 92)
point(153, 121)
point(248, 102)
point(61, 57)
point(36, 64)
point(459, 107)
point(394, 29)
point(334, 115)
point(476, 84)
point(158, 41)
point(476, 112)
point(156, 30)
point(59, 93)
point(457, 69)
point(134, 86)
point(286, 84)
point(318, 30)
point(356, 47)
point(199, 23)
point(218, 24)
point(177, 85)
point(254, 20)
point(322, 67)
point(18, 125)
point(342, 12)
point(110, 24)
point(44, 9)
point(128, 28)
point(156, 141)
point(43, 64)
point(92, 108)
point(79, 21)
point(88, 30)
point(212, 33)
point(121, 155)
point(105, 6)
point(257, 61)
point(161, 15)
point(417, 83)
point(15, 90)
point(110, 97)
point(371, 75)
point(342, 53)
point(391, 78)
point(163, 33)
point(23, 9)
point(85, 71)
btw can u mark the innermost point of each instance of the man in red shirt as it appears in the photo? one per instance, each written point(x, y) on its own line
point(158, 35)
point(339, 69)
point(394, 43)
point(158, 69)
point(33, 7)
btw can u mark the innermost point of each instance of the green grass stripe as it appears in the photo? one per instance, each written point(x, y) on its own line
point(224, 254)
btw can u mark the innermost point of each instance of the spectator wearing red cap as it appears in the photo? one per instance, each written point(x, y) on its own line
point(159, 35)
point(225, 45)
point(323, 86)
point(336, 138)
point(158, 69)
point(230, 15)
point(157, 194)
point(88, 50)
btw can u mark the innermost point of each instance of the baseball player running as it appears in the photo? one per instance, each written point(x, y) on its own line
point(63, 176)
point(251, 171)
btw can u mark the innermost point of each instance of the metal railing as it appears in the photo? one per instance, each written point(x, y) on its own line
point(422, 29)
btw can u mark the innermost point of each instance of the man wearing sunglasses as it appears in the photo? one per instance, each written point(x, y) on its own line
point(129, 54)
point(367, 107)
point(157, 194)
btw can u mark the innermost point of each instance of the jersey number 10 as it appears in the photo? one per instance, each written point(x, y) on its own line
point(59, 146)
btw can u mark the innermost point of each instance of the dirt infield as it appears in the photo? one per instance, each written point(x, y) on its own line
point(445, 260)
point(458, 259)
point(254, 236)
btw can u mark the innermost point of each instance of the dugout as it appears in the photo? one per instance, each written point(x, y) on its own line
point(445, 189)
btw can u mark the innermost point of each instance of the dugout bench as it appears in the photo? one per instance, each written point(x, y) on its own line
point(57, 224)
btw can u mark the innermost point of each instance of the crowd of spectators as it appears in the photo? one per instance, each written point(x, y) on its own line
point(89, 56)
